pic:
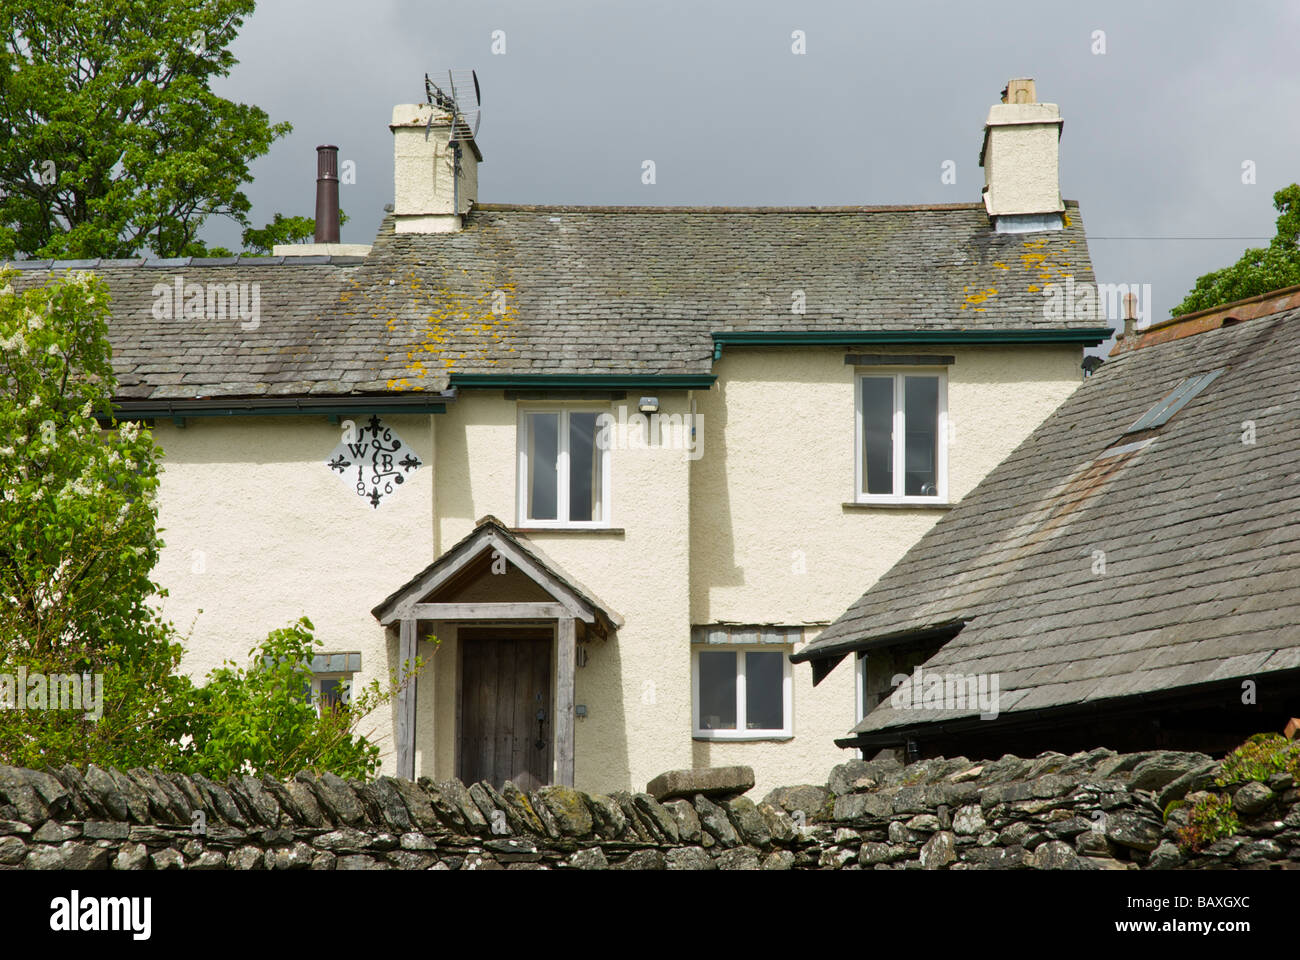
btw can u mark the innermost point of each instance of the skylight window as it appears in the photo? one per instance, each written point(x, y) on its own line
point(1182, 394)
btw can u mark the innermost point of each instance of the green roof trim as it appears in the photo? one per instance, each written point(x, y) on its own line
point(1086, 336)
point(577, 381)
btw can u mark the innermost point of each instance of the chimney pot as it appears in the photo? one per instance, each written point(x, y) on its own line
point(327, 194)
point(1130, 317)
point(1020, 90)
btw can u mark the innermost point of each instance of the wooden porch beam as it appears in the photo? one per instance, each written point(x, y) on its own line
point(406, 704)
point(487, 611)
point(565, 656)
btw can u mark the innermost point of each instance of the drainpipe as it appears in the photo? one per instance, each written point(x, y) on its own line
point(455, 173)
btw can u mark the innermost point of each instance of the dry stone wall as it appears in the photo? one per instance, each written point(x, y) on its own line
point(1095, 810)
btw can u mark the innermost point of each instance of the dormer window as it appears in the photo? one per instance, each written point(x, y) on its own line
point(902, 425)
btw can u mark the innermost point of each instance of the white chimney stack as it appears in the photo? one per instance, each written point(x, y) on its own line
point(1022, 188)
point(429, 196)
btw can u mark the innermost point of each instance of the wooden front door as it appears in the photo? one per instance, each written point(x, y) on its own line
point(506, 727)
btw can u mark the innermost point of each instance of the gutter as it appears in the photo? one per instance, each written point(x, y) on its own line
point(577, 381)
point(1086, 336)
point(1050, 716)
point(333, 407)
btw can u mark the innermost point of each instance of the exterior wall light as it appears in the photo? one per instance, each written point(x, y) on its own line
point(648, 405)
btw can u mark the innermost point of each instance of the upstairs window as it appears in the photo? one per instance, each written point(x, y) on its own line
point(902, 450)
point(563, 472)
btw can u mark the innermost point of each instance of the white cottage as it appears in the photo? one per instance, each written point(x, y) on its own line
point(605, 468)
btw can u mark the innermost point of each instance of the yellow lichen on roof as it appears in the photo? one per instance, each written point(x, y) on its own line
point(429, 317)
point(978, 296)
point(1044, 269)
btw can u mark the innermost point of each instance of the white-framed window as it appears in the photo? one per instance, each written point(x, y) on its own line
point(331, 679)
point(741, 692)
point(901, 442)
point(329, 690)
point(563, 472)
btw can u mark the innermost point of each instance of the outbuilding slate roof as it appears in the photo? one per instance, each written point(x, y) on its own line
point(582, 290)
point(1088, 567)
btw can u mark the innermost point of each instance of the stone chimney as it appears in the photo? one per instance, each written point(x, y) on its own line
point(435, 179)
point(1022, 191)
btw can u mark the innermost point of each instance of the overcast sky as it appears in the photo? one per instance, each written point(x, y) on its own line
point(1157, 127)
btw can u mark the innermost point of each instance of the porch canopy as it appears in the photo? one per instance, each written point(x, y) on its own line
point(465, 585)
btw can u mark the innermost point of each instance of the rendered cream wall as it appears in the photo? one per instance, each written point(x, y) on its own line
point(770, 539)
point(636, 686)
point(259, 531)
point(705, 541)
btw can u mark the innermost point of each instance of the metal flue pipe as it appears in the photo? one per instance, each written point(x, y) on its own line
point(327, 194)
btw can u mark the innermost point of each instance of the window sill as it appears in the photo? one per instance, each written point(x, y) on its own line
point(888, 505)
point(616, 531)
point(744, 738)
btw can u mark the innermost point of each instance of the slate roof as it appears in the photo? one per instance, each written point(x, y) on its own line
point(584, 290)
point(1199, 532)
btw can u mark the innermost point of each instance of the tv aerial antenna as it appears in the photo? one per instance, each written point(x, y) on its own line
point(463, 100)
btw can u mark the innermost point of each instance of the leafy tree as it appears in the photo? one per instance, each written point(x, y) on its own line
point(1260, 269)
point(78, 541)
point(111, 141)
point(283, 229)
point(77, 537)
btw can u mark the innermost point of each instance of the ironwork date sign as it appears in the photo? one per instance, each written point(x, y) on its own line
point(374, 462)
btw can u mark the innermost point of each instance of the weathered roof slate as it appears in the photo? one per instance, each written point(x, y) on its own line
point(1086, 577)
point(598, 290)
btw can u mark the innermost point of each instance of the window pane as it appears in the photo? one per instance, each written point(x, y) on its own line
point(717, 690)
point(921, 435)
point(332, 692)
point(584, 467)
point(764, 690)
point(543, 457)
point(878, 434)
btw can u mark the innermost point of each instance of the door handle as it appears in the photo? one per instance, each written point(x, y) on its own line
point(540, 743)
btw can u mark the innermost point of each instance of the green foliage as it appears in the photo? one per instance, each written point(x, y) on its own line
point(1171, 806)
point(263, 719)
point(111, 141)
point(1259, 758)
point(1260, 269)
point(283, 229)
point(77, 536)
point(77, 506)
point(1210, 818)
